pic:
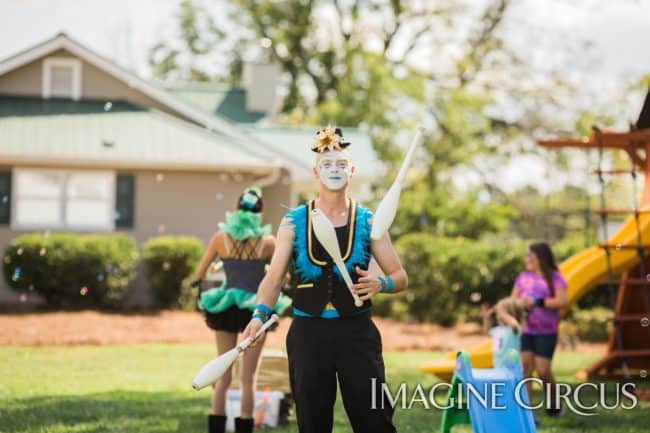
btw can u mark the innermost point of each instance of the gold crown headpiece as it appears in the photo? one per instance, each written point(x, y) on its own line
point(329, 139)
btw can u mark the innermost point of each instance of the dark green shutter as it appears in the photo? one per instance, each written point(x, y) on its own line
point(124, 201)
point(5, 197)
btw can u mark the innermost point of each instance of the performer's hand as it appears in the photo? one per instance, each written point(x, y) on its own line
point(367, 286)
point(253, 326)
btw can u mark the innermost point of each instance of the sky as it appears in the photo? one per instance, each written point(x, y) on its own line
point(125, 29)
point(615, 56)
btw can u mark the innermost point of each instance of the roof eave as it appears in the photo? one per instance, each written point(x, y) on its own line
point(53, 161)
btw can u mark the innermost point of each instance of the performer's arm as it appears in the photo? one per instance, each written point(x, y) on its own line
point(395, 279)
point(210, 253)
point(557, 302)
point(269, 288)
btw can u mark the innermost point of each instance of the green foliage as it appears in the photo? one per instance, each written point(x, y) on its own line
point(71, 269)
point(169, 262)
point(592, 325)
point(566, 213)
point(446, 211)
point(184, 59)
point(447, 274)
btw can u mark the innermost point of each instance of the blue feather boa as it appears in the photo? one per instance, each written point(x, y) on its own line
point(360, 255)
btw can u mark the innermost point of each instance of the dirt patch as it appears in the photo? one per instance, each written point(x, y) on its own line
point(97, 328)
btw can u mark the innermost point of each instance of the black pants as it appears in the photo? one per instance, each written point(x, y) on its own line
point(320, 350)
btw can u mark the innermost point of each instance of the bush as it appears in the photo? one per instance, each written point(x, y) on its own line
point(592, 325)
point(448, 275)
point(169, 261)
point(71, 269)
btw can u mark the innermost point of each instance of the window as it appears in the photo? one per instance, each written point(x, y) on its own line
point(5, 196)
point(124, 200)
point(81, 200)
point(62, 78)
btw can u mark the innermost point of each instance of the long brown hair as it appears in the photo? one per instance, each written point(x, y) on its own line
point(546, 260)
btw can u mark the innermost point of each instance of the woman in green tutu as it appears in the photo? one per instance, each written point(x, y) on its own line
point(245, 247)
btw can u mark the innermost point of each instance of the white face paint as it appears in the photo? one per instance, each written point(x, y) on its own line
point(334, 170)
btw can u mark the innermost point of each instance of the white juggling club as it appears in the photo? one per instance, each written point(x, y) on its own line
point(213, 370)
point(385, 213)
point(326, 235)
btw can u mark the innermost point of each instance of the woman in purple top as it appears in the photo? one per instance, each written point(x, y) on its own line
point(544, 292)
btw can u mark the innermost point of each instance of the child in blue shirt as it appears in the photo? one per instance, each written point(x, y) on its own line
point(506, 335)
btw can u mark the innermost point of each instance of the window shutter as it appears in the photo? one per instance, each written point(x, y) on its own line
point(5, 197)
point(124, 201)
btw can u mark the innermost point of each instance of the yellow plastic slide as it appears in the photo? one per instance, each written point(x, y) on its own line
point(583, 272)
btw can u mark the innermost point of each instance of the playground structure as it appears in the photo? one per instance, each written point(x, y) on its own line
point(622, 263)
point(464, 407)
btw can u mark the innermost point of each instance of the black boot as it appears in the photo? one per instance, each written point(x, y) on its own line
point(243, 425)
point(216, 423)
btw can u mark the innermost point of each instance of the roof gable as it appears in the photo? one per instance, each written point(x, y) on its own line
point(176, 106)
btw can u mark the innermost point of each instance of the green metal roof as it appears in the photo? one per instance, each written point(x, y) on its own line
point(116, 134)
point(292, 142)
point(229, 102)
point(296, 142)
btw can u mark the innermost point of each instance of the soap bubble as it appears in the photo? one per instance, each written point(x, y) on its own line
point(619, 246)
point(7, 259)
point(31, 287)
point(166, 266)
point(219, 196)
point(16, 275)
point(19, 251)
point(266, 42)
point(83, 291)
point(108, 105)
point(5, 199)
point(23, 297)
point(161, 228)
point(160, 177)
point(42, 251)
point(645, 322)
point(100, 277)
point(117, 215)
point(475, 297)
point(643, 374)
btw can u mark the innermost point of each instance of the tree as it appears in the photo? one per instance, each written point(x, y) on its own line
point(189, 55)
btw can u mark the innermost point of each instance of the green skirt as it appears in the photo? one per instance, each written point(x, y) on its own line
point(220, 299)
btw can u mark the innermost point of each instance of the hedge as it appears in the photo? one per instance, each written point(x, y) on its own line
point(449, 276)
point(591, 325)
point(169, 262)
point(72, 269)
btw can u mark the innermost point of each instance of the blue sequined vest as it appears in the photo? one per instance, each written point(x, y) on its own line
point(320, 280)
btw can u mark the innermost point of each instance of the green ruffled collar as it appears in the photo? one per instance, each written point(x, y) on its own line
point(243, 224)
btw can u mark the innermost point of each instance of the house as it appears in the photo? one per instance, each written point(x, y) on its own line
point(88, 146)
point(252, 107)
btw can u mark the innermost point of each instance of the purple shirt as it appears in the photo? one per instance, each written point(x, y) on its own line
point(540, 320)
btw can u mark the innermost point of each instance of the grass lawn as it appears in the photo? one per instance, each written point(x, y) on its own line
point(145, 388)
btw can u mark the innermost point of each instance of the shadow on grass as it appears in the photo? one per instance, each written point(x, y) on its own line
point(117, 411)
